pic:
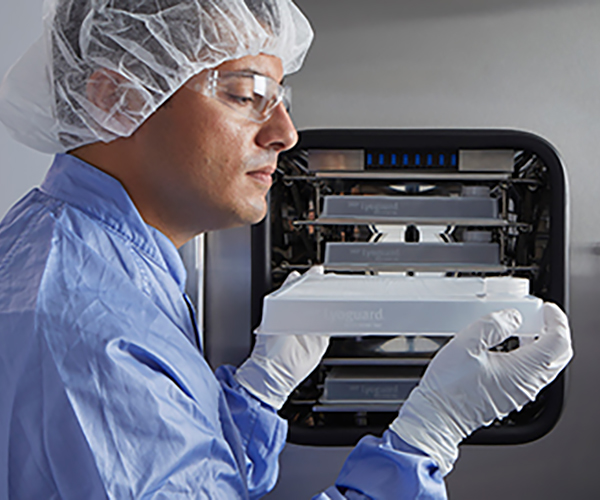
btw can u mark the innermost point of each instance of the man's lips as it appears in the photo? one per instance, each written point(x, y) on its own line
point(263, 175)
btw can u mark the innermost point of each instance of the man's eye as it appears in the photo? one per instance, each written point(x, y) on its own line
point(240, 99)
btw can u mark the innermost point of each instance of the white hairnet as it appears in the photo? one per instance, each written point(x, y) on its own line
point(150, 49)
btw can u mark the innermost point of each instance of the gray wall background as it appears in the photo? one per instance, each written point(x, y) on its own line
point(20, 167)
point(525, 64)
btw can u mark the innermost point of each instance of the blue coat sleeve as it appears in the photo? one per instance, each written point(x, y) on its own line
point(262, 431)
point(387, 468)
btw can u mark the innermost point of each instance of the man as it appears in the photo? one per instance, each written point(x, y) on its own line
point(167, 117)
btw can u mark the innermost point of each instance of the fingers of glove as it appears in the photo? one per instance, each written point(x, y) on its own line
point(264, 345)
point(516, 389)
point(291, 278)
point(295, 276)
point(491, 330)
point(296, 354)
point(308, 351)
point(316, 270)
point(313, 345)
point(543, 359)
point(556, 320)
point(555, 340)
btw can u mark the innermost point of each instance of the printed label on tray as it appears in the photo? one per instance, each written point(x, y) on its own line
point(372, 318)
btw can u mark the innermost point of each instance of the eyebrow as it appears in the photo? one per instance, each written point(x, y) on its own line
point(259, 73)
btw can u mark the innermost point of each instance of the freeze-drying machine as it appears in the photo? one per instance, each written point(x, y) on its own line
point(408, 235)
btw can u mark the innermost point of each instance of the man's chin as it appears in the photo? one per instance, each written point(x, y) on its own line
point(252, 214)
point(256, 217)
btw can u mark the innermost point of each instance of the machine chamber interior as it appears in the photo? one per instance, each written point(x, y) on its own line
point(432, 203)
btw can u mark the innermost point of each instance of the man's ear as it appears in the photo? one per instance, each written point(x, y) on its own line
point(105, 88)
point(114, 95)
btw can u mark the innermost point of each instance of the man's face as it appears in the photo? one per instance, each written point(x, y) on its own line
point(205, 166)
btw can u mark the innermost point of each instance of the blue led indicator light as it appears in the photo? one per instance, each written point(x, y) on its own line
point(429, 160)
point(369, 159)
point(453, 160)
point(394, 159)
point(381, 159)
point(442, 160)
point(417, 159)
point(405, 160)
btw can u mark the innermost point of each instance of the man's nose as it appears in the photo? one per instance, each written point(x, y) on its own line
point(278, 132)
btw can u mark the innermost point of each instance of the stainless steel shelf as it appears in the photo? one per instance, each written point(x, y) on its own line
point(359, 221)
point(412, 176)
point(402, 268)
point(425, 268)
point(409, 176)
point(398, 361)
point(354, 407)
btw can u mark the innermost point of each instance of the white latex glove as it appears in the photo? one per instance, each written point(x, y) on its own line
point(279, 363)
point(467, 386)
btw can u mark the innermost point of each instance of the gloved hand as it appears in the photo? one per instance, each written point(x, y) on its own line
point(467, 386)
point(279, 363)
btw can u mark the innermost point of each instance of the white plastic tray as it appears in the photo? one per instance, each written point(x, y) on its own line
point(394, 304)
point(369, 207)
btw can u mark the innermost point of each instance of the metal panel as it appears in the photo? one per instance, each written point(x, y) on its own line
point(336, 159)
point(227, 301)
point(192, 255)
point(491, 160)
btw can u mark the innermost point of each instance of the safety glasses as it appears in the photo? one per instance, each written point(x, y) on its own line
point(252, 95)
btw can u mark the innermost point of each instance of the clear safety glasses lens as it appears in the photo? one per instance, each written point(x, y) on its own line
point(254, 96)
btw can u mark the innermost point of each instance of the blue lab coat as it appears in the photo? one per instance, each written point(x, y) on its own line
point(104, 391)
